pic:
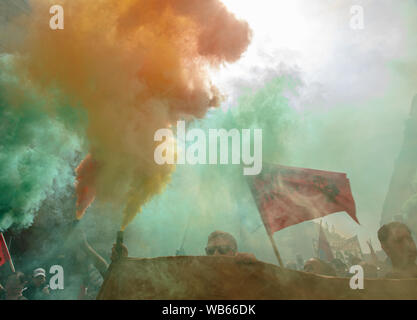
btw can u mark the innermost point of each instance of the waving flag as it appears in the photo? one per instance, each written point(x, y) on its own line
point(4, 252)
point(286, 195)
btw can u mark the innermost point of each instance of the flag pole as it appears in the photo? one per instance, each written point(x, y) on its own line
point(318, 242)
point(181, 251)
point(274, 246)
point(12, 265)
point(271, 239)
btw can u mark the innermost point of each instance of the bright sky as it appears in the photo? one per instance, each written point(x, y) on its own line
point(282, 30)
point(339, 65)
point(316, 37)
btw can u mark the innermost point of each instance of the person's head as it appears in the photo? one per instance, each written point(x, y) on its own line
point(291, 265)
point(312, 265)
point(15, 284)
point(318, 266)
point(39, 277)
point(221, 243)
point(396, 241)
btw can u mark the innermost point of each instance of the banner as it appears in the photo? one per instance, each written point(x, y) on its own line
point(286, 195)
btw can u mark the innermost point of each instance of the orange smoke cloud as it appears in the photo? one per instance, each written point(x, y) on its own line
point(135, 66)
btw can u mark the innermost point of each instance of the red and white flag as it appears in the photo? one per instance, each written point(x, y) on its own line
point(4, 251)
point(287, 195)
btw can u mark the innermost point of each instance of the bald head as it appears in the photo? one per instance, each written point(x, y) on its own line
point(221, 243)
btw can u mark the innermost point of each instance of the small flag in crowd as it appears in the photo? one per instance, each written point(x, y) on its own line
point(324, 250)
point(4, 253)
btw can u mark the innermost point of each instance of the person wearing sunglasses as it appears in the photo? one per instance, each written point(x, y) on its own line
point(221, 243)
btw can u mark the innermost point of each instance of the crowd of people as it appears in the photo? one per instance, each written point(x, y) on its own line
point(19, 287)
point(84, 271)
point(395, 238)
point(397, 243)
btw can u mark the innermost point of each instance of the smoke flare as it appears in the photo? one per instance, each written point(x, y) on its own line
point(135, 66)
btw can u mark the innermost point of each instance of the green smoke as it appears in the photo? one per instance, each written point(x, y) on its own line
point(37, 149)
point(361, 140)
point(216, 197)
